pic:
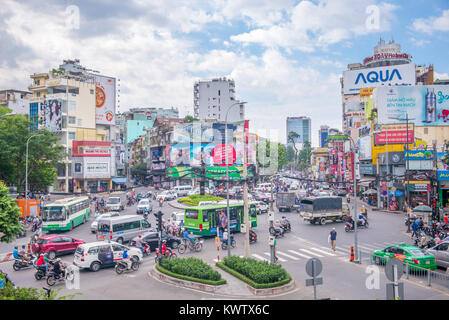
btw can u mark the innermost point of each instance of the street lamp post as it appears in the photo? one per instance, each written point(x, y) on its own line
point(227, 175)
point(355, 205)
point(26, 172)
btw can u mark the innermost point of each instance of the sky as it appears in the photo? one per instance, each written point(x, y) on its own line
point(285, 56)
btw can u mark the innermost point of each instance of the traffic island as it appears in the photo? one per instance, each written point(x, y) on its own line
point(188, 272)
point(262, 278)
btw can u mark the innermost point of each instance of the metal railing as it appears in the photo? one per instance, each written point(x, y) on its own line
point(415, 273)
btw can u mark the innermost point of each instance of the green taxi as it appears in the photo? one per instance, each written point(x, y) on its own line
point(411, 255)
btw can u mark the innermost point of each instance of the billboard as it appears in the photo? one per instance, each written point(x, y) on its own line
point(394, 134)
point(218, 173)
point(52, 114)
point(425, 105)
point(398, 75)
point(105, 100)
point(365, 148)
point(179, 155)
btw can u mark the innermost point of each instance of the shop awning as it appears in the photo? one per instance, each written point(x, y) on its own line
point(365, 181)
point(120, 180)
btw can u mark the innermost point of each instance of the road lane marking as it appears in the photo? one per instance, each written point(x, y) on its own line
point(287, 255)
point(280, 259)
point(312, 253)
point(299, 254)
point(324, 252)
point(259, 257)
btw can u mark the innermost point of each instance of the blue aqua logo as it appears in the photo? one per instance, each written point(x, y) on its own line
point(442, 97)
point(381, 76)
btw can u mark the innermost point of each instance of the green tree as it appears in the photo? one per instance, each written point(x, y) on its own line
point(24, 293)
point(44, 152)
point(189, 118)
point(293, 138)
point(305, 156)
point(290, 154)
point(9, 216)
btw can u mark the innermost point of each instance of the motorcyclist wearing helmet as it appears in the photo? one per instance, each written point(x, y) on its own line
point(58, 267)
point(140, 243)
point(277, 226)
point(126, 258)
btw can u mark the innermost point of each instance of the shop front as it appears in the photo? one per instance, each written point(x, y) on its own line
point(443, 188)
point(419, 193)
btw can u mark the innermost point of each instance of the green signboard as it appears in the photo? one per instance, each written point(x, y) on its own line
point(337, 137)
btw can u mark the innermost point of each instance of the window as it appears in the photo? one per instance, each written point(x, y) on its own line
point(117, 247)
point(191, 214)
point(103, 227)
point(58, 240)
point(72, 135)
point(145, 224)
point(77, 167)
point(218, 92)
point(91, 91)
point(93, 250)
point(443, 247)
point(38, 94)
point(72, 120)
point(80, 122)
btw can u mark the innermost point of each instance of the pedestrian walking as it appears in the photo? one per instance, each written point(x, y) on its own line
point(332, 239)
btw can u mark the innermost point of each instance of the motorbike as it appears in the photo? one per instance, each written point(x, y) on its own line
point(122, 266)
point(224, 243)
point(161, 202)
point(277, 232)
point(53, 277)
point(169, 253)
point(41, 271)
point(360, 224)
point(18, 264)
point(36, 226)
point(286, 226)
point(252, 236)
point(145, 213)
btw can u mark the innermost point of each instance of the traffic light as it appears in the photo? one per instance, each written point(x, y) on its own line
point(159, 220)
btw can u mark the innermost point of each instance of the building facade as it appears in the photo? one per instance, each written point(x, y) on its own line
point(301, 126)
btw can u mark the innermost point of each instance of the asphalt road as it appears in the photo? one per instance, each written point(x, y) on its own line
point(341, 278)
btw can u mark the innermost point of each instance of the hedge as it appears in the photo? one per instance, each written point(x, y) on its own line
point(191, 269)
point(258, 274)
point(195, 199)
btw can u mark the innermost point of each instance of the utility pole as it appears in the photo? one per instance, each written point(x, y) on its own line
point(202, 173)
point(435, 187)
point(245, 192)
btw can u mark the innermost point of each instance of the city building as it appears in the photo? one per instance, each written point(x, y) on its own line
point(78, 105)
point(16, 100)
point(213, 98)
point(324, 132)
point(302, 126)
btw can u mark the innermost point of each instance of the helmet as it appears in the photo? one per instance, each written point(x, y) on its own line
point(140, 236)
point(59, 259)
point(164, 241)
point(16, 247)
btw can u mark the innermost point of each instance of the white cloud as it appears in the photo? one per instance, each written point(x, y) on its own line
point(433, 23)
point(320, 24)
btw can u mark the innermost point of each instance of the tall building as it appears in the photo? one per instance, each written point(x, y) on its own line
point(212, 100)
point(16, 100)
point(301, 126)
point(78, 105)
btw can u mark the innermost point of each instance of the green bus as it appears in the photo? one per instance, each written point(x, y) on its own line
point(204, 220)
point(65, 214)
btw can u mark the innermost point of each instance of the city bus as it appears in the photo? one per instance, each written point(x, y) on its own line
point(65, 214)
point(203, 220)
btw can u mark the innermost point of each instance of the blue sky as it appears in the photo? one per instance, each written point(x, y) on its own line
point(285, 56)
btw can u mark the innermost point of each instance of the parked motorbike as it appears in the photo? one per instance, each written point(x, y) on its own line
point(252, 236)
point(122, 266)
point(18, 264)
point(277, 232)
point(360, 224)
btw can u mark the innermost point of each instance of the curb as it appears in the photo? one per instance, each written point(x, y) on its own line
point(183, 283)
point(180, 207)
point(273, 291)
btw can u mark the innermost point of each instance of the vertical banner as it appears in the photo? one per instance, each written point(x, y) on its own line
point(105, 100)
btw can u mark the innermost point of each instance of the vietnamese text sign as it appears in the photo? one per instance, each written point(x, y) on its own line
point(395, 134)
point(97, 168)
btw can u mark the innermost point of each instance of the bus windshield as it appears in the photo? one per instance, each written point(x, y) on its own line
point(113, 200)
point(54, 214)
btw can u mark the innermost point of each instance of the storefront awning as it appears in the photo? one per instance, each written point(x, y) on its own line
point(365, 181)
point(120, 180)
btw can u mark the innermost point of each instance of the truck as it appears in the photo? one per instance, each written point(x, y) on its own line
point(320, 210)
point(116, 201)
point(285, 201)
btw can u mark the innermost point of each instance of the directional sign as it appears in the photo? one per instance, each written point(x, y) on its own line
point(389, 269)
point(314, 267)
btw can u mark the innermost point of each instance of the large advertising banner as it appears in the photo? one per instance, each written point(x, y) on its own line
point(52, 114)
point(394, 134)
point(204, 151)
point(105, 100)
point(425, 105)
point(398, 75)
point(179, 155)
point(365, 148)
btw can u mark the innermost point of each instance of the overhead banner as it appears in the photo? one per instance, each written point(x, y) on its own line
point(105, 100)
point(424, 105)
point(398, 75)
point(395, 134)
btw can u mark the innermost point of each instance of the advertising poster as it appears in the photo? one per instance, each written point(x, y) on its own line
point(365, 148)
point(426, 105)
point(105, 100)
point(52, 114)
point(179, 155)
point(394, 134)
point(204, 151)
point(398, 75)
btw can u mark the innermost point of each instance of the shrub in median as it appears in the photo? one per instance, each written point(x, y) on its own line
point(192, 268)
point(194, 199)
point(258, 274)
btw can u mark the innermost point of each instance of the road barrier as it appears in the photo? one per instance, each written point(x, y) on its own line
point(416, 273)
point(352, 254)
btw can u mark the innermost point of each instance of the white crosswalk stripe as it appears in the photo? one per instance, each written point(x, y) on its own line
point(312, 253)
point(280, 259)
point(259, 257)
point(299, 254)
point(287, 255)
point(323, 252)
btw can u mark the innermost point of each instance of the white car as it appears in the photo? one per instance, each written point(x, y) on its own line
point(143, 205)
point(167, 195)
point(102, 254)
point(261, 207)
point(197, 191)
point(94, 225)
point(177, 217)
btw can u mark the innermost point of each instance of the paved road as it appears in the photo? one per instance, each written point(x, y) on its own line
point(342, 279)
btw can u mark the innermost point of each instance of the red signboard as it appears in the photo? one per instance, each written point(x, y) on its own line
point(395, 134)
point(219, 154)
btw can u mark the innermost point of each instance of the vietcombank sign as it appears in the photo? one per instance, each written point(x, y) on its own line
point(217, 173)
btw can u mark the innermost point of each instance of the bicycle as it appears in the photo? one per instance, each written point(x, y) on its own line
point(196, 247)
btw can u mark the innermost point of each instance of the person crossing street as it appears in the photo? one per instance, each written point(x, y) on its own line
point(332, 239)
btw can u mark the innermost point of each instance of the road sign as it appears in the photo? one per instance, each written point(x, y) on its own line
point(314, 282)
point(389, 269)
point(314, 267)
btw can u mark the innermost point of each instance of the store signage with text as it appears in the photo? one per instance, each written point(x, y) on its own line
point(392, 134)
